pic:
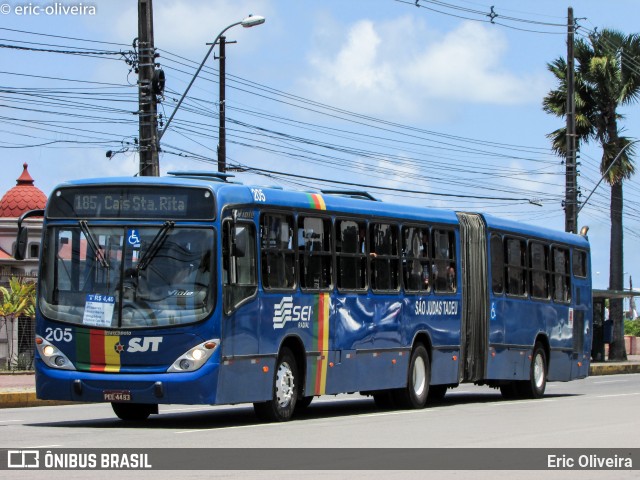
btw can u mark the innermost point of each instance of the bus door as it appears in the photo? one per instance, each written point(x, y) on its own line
point(475, 297)
point(582, 313)
point(240, 285)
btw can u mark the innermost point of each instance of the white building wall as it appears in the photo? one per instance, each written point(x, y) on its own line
point(12, 268)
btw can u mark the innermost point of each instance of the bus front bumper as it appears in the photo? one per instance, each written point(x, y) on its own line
point(198, 387)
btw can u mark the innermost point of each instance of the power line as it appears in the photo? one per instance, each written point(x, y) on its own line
point(483, 16)
point(62, 37)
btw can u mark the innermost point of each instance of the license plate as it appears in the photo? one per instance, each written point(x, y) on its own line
point(116, 395)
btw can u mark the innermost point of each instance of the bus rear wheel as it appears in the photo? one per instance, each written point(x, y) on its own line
point(510, 391)
point(134, 412)
point(284, 393)
point(384, 400)
point(537, 383)
point(415, 394)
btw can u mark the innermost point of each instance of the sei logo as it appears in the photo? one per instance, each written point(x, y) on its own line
point(285, 311)
point(138, 344)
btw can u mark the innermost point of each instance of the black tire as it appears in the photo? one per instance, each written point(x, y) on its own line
point(384, 400)
point(510, 391)
point(415, 394)
point(284, 392)
point(537, 383)
point(436, 393)
point(303, 403)
point(133, 412)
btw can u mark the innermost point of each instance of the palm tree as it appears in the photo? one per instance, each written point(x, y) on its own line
point(607, 76)
point(16, 301)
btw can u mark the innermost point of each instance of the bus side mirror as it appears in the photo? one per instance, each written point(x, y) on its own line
point(239, 248)
point(22, 238)
point(21, 243)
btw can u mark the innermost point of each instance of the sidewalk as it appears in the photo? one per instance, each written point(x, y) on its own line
point(19, 389)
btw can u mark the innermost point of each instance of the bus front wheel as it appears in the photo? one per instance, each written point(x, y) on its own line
point(284, 392)
point(302, 403)
point(134, 412)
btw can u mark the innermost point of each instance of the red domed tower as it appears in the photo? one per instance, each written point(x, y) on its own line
point(23, 197)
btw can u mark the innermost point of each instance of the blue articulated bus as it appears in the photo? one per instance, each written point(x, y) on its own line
point(190, 289)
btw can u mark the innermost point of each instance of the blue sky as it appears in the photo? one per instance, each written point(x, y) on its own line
point(378, 93)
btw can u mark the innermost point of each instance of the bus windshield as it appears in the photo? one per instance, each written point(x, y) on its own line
point(124, 277)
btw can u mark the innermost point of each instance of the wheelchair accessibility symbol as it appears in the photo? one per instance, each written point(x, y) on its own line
point(133, 238)
point(493, 311)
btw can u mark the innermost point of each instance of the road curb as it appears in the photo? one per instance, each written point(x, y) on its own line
point(595, 370)
point(26, 399)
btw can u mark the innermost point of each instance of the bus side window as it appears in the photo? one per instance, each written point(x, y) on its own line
point(516, 266)
point(314, 246)
point(444, 261)
point(539, 264)
point(580, 263)
point(497, 264)
point(351, 251)
point(416, 269)
point(561, 275)
point(239, 264)
point(384, 257)
point(277, 251)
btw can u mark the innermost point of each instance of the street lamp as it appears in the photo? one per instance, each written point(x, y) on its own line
point(248, 22)
point(605, 173)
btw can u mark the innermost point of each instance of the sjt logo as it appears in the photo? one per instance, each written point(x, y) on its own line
point(137, 344)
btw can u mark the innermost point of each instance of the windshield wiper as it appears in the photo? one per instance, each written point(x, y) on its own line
point(155, 245)
point(91, 240)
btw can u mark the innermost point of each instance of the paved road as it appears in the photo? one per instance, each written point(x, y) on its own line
point(18, 390)
point(599, 412)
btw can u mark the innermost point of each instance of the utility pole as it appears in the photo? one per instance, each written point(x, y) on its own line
point(571, 177)
point(147, 102)
point(632, 302)
point(222, 136)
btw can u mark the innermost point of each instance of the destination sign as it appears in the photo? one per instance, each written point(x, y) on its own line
point(132, 202)
point(160, 204)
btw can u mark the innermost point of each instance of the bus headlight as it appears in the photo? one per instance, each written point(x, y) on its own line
point(195, 357)
point(52, 356)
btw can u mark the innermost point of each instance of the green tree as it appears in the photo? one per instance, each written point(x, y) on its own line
point(607, 76)
point(16, 301)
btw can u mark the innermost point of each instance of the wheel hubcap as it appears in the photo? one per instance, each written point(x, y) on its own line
point(538, 371)
point(419, 377)
point(285, 387)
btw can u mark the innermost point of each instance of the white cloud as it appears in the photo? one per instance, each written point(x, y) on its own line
point(402, 68)
point(356, 66)
point(466, 66)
